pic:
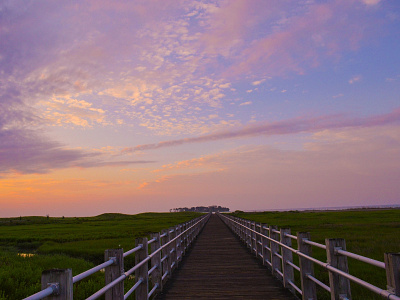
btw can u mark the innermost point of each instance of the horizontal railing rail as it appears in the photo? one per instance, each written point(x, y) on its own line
point(167, 249)
point(274, 247)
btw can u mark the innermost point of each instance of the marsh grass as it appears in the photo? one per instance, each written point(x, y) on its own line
point(79, 243)
point(76, 243)
point(370, 233)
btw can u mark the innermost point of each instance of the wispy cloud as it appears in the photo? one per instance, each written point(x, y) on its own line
point(25, 151)
point(371, 2)
point(30, 152)
point(327, 168)
point(355, 79)
point(337, 96)
point(258, 82)
point(291, 126)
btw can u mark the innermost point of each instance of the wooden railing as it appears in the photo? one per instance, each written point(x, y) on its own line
point(274, 248)
point(166, 251)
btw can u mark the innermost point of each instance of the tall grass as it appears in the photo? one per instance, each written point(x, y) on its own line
point(76, 243)
point(20, 276)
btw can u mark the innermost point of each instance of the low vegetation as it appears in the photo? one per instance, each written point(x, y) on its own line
point(370, 233)
point(29, 245)
point(79, 243)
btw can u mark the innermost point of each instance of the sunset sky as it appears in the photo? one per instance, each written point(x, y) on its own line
point(145, 105)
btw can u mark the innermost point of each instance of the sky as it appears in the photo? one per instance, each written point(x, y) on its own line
point(147, 105)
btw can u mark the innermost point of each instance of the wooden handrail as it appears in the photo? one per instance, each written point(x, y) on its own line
point(167, 249)
point(276, 247)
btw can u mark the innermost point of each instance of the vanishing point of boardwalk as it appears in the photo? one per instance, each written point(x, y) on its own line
point(220, 267)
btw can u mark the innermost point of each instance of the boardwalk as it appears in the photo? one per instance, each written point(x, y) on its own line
point(220, 267)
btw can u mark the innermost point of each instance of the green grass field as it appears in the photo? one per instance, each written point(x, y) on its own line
point(370, 233)
point(79, 243)
point(76, 243)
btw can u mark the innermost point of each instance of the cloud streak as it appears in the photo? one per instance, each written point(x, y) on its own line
point(291, 126)
point(25, 151)
point(28, 152)
point(356, 166)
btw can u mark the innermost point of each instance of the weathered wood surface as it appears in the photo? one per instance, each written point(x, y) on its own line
point(218, 266)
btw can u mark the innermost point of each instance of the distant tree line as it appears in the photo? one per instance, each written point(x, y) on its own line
point(205, 209)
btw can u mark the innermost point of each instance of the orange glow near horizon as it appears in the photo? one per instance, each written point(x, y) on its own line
point(252, 105)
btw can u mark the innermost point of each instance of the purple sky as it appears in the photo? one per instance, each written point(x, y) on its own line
point(132, 106)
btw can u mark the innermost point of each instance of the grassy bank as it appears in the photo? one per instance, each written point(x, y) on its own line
point(76, 243)
point(370, 233)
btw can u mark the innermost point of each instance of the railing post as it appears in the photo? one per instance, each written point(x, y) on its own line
point(195, 228)
point(234, 219)
point(192, 232)
point(253, 237)
point(173, 249)
point(244, 231)
point(265, 243)
point(248, 235)
point(308, 286)
point(166, 265)
point(275, 260)
point(340, 286)
point(61, 277)
point(246, 241)
point(258, 240)
point(156, 261)
point(287, 256)
point(240, 228)
point(142, 272)
point(184, 238)
point(392, 266)
point(188, 235)
point(113, 272)
point(179, 245)
point(244, 223)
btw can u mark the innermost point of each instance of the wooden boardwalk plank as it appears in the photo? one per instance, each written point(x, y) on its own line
point(218, 266)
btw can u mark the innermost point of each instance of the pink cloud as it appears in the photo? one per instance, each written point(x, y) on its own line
point(304, 40)
point(230, 23)
point(355, 79)
point(371, 2)
point(28, 152)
